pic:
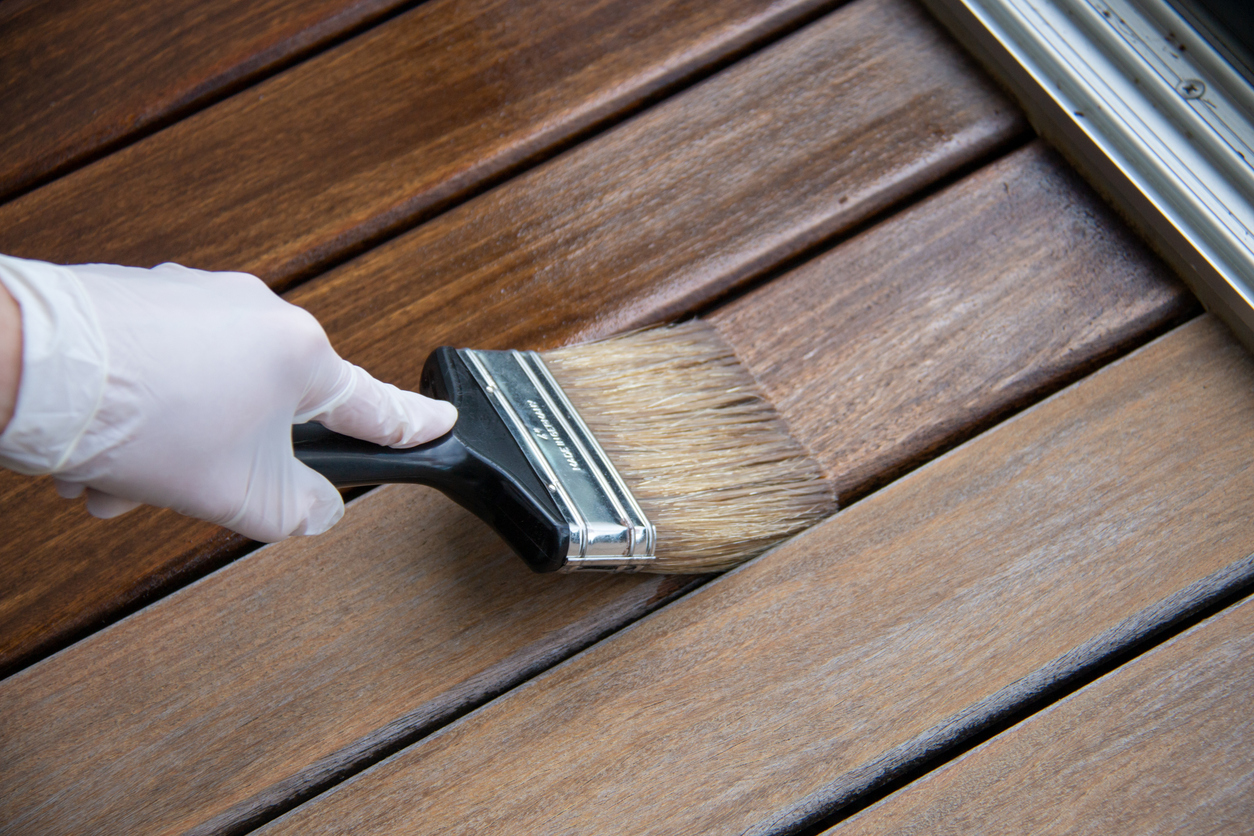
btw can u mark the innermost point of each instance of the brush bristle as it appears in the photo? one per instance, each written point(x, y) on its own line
point(709, 460)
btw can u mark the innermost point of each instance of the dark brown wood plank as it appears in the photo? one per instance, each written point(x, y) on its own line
point(403, 614)
point(81, 77)
point(773, 684)
point(657, 216)
point(367, 138)
point(1160, 745)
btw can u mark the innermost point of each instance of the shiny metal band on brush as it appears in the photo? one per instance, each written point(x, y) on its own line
point(608, 530)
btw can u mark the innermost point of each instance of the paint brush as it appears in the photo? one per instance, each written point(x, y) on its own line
point(653, 451)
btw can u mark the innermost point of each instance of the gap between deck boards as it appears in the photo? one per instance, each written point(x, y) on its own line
point(1117, 646)
point(1159, 745)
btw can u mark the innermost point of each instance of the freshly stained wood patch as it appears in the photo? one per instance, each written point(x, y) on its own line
point(81, 76)
point(305, 659)
point(773, 682)
point(704, 192)
point(1160, 745)
point(656, 217)
point(307, 167)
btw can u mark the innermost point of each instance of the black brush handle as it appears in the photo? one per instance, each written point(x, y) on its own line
point(349, 462)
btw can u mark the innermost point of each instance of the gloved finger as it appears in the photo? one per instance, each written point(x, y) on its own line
point(292, 500)
point(380, 412)
point(69, 490)
point(106, 506)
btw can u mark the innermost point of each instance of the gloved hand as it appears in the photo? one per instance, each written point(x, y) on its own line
point(178, 388)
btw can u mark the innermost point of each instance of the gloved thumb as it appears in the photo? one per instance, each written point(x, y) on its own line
point(379, 412)
point(289, 500)
point(106, 506)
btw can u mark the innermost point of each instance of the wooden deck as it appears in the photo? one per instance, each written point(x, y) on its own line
point(1029, 616)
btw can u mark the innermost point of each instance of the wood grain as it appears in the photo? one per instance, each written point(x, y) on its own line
point(364, 139)
point(81, 77)
point(1019, 270)
point(1160, 745)
point(365, 638)
point(647, 221)
point(771, 683)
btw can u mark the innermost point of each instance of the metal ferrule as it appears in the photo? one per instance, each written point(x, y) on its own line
point(608, 530)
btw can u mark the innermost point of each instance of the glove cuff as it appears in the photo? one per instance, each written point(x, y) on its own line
point(64, 366)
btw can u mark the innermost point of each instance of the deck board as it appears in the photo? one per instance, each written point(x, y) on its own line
point(310, 658)
point(82, 76)
point(662, 214)
point(1160, 745)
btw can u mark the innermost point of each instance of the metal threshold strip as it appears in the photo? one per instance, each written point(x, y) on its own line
point(1149, 112)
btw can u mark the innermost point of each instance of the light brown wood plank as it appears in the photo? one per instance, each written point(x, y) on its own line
point(1160, 745)
point(649, 220)
point(446, 617)
point(311, 165)
point(83, 76)
point(915, 335)
point(768, 685)
point(302, 656)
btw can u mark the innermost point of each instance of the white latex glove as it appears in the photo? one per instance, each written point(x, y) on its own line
point(178, 388)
